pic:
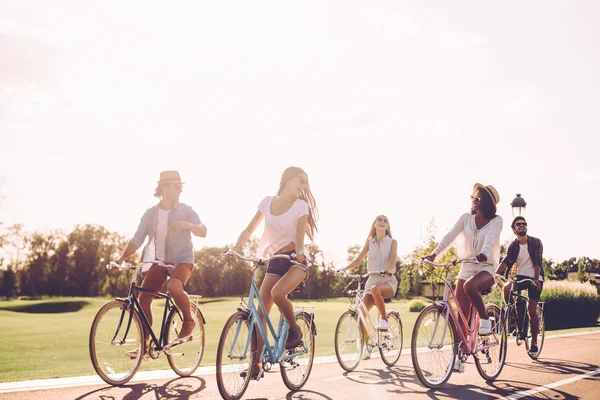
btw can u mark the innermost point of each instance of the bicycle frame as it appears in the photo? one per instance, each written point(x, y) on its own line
point(275, 352)
point(467, 344)
point(360, 306)
point(514, 295)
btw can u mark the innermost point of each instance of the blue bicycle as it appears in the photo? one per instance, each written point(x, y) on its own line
point(236, 354)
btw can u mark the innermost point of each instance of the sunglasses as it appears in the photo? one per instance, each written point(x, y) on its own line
point(520, 224)
point(475, 199)
point(384, 220)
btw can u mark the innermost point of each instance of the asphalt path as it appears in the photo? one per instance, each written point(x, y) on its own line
point(569, 368)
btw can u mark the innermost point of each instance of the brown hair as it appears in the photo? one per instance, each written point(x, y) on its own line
point(306, 195)
point(388, 230)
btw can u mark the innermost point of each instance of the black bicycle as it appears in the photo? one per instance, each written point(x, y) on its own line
point(516, 316)
point(117, 335)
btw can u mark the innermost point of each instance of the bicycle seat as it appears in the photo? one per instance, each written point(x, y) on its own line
point(387, 300)
point(487, 291)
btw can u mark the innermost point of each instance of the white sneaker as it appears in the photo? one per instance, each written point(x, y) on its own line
point(383, 325)
point(485, 327)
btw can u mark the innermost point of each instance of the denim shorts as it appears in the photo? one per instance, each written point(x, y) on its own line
point(279, 266)
point(532, 292)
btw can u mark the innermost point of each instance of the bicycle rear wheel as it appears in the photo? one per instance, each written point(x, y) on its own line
point(116, 352)
point(390, 341)
point(541, 333)
point(433, 347)
point(349, 340)
point(490, 361)
point(184, 358)
point(235, 358)
point(295, 371)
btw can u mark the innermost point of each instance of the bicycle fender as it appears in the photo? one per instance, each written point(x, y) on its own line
point(311, 318)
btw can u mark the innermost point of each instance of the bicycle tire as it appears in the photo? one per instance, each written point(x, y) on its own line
point(490, 362)
point(349, 340)
point(185, 357)
point(424, 355)
point(296, 371)
point(107, 348)
point(231, 380)
point(390, 343)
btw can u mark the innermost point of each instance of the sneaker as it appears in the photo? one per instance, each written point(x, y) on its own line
point(257, 373)
point(533, 349)
point(383, 325)
point(186, 330)
point(294, 338)
point(485, 327)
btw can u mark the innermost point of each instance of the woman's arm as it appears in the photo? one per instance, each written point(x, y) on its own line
point(246, 233)
point(360, 257)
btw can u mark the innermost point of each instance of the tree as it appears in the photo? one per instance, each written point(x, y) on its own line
point(9, 283)
point(404, 287)
point(581, 269)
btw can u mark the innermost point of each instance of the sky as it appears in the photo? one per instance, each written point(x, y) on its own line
point(390, 107)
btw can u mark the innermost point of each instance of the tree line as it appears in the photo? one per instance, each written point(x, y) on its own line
point(73, 264)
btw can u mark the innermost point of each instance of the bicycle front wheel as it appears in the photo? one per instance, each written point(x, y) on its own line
point(235, 356)
point(433, 347)
point(295, 371)
point(541, 333)
point(390, 341)
point(490, 360)
point(349, 340)
point(116, 347)
point(184, 358)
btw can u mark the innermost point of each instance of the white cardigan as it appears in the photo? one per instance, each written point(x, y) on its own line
point(474, 241)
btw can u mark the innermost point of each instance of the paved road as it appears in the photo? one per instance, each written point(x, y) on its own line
point(569, 369)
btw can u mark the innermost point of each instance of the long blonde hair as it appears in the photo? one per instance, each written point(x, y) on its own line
point(306, 195)
point(373, 232)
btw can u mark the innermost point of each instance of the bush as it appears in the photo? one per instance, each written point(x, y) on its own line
point(570, 304)
point(416, 306)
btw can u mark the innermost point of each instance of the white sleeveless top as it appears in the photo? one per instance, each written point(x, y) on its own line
point(279, 229)
point(379, 254)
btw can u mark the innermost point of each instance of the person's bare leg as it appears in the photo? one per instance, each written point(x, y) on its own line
point(476, 284)
point(282, 288)
point(154, 279)
point(464, 304)
point(380, 293)
point(179, 277)
point(265, 294)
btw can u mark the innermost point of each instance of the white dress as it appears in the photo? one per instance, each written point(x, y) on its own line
point(378, 260)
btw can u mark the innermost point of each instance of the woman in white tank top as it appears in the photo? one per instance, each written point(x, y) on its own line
point(382, 251)
point(288, 217)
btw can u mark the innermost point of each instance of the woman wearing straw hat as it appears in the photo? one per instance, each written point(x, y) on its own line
point(481, 240)
point(168, 226)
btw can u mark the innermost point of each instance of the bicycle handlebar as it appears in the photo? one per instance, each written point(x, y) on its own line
point(502, 279)
point(262, 261)
point(122, 267)
point(456, 262)
point(358, 276)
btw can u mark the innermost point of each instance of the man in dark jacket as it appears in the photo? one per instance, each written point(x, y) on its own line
point(526, 254)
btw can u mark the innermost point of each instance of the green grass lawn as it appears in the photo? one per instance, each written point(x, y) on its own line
point(49, 338)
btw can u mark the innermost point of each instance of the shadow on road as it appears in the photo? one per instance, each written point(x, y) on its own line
point(180, 388)
point(507, 388)
point(307, 395)
point(555, 366)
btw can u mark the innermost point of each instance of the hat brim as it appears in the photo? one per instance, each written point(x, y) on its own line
point(482, 186)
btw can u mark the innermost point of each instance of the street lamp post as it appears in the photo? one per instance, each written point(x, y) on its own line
point(518, 206)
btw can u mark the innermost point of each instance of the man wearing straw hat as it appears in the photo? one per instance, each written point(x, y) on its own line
point(168, 226)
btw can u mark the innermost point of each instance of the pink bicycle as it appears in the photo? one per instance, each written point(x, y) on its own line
point(437, 340)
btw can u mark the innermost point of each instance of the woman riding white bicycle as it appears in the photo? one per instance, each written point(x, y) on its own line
point(382, 251)
point(288, 217)
point(481, 240)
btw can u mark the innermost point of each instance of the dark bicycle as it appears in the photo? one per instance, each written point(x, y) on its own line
point(516, 316)
point(117, 335)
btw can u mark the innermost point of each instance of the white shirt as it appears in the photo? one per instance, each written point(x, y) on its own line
point(379, 254)
point(524, 263)
point(160, 234)
point(279, 229)
point(474, 241)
